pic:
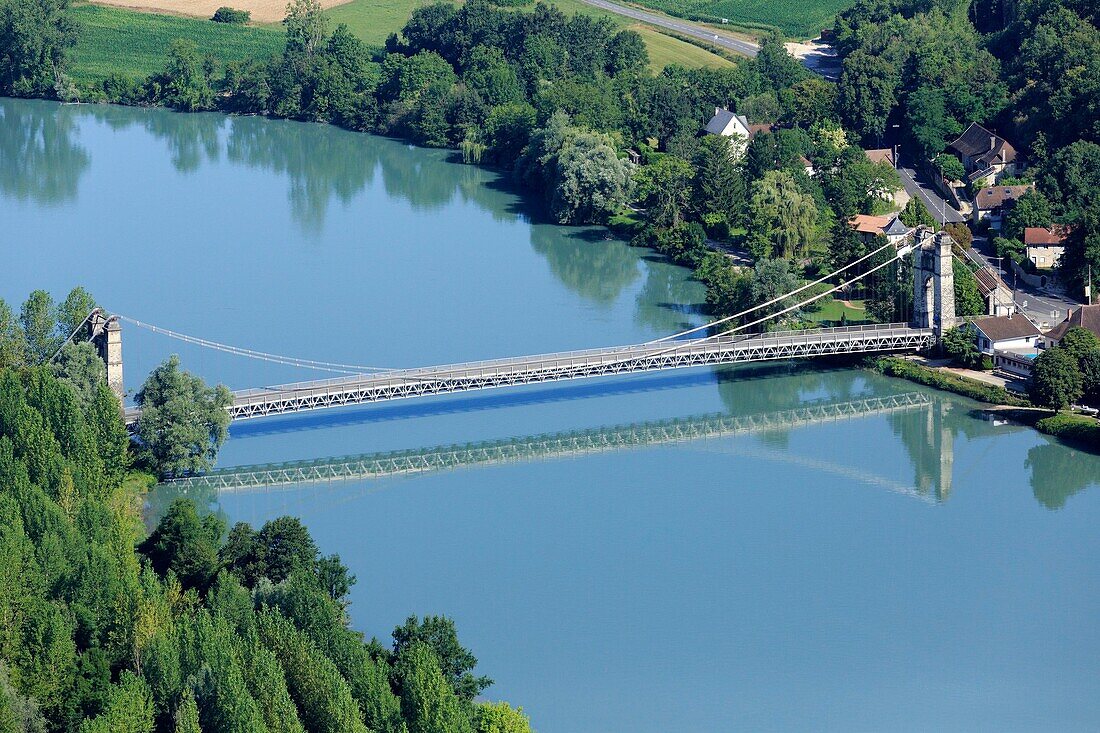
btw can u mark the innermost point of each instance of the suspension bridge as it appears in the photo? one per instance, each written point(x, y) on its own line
point(724, 341)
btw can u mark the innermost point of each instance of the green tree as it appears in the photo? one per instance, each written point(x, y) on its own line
point(592, 181)
point(488, 73)
point(72, 312)
point(772, 278)
point(866, 94)
point(961, 344)
point(914, 214)
point(1077, 342)
point(39, 326)
point(664, 187)
point(1031, 210)
point(454, 660)
point(968, 298)
point(184, 84)
point(183, 422)
point(428, 703)
point(187, 714)
point(949, 167)
point(129, 709)
point(13, 345)
point(79, 366)
point(185, 545)
point(782, 219)
point(306, 26)
point(719, 185)
point(500, 717)
point(1055, 379)
point(35, 39)
point(626, 54)
point(1090, 376)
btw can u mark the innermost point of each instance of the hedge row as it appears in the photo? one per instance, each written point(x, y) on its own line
point(904, 369)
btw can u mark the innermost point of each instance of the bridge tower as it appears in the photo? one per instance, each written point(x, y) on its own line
point(933, 281)
point(106, 336)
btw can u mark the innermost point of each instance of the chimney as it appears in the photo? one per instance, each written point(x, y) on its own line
point(992, 142)
point(717, 110)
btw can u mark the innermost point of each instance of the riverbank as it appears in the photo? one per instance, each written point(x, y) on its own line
point(1079, 431)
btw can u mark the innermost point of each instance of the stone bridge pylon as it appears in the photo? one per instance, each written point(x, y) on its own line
point(106, 336)
point(933, 281)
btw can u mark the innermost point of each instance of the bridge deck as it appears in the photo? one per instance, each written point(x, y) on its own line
point(734, 349)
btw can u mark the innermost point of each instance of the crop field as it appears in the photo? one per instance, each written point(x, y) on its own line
point(136, 44)
point(795, 18)
point(373, 20)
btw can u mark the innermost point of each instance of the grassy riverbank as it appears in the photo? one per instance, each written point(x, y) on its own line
point(892, 366)
point(1078, 430)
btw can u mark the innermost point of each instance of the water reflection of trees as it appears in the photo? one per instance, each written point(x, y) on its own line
point(1059, 472)
point(40, 159)
point(669, 299)
point(586, 260)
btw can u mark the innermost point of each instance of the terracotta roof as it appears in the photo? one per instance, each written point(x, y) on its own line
point(880, 155)
point(995, 197)
point(1043, 237)
point(983, 146)
point(1004, 328)
point(755, 130)
point(1087, 316)
point(988, 280)
point(868, 224)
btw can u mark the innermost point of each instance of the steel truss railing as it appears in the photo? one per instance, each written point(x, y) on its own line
point(733, 349)
point(550, 445)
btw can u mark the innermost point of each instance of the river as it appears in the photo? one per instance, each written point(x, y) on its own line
point(772, 547)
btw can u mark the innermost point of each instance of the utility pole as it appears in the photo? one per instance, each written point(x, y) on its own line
point(1088, 288)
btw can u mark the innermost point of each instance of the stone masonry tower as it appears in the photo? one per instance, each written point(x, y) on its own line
point(933, 282)
point(106, 335)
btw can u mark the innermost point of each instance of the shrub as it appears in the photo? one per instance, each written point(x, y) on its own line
point(226, 14)
point(895, 367)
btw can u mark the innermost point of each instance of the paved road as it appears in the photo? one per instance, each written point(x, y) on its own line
point(1043, 305)
point(676, 25)
point(936, 206)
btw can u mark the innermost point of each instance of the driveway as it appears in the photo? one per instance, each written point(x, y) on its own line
point(936, 206)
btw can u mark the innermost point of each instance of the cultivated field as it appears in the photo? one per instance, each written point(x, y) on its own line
point(263, 11)
point(136, 44)
point(795, 18)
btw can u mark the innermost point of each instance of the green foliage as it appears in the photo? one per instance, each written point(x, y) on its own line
point(185, 83)
point(39, 327)
point(80, 366)
point(35, 39)
point(592, 182)
point(455, 662)
point(665, 187)
point(1031, 210)
point(968, 299)
point(185, 545)
point(13, 344)
point(1084, 431)
point(183, 422)
point(1090, 376)
point(961, 344)
point(129, 709)
point(949, 167)
point(782, 219)
point(904, 369)
point(226, 14)
point(1055, 379)
point(427, 701)
point(914, 214)
point(1078, 342)
point(500, 717)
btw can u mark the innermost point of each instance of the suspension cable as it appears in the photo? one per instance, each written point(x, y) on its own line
point(773, 301)
point(325, 366)
point(70, 336)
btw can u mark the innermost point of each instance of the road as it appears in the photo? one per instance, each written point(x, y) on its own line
point(1044, 306)
point(676, 25)
point(936, 206)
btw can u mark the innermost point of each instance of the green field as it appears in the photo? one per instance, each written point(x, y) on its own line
point(135, 44)
point(373, 20)
point(795, 18)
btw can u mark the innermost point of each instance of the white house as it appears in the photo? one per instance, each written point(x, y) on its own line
point(731, 125)
point(1006, 333)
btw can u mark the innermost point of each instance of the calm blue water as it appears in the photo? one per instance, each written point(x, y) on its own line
point(920, 569)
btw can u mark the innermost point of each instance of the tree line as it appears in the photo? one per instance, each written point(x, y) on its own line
point(107, 628)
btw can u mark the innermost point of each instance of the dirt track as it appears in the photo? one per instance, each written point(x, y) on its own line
point(263, 11)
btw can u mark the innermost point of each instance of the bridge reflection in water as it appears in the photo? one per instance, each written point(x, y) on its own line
point(919, 415)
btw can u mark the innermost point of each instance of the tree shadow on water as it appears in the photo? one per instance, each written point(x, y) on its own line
point(40, 158)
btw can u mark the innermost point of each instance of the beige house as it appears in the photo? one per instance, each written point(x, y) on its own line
point(997, 295)
point(992, 201)
point(870, 227)
point(1045, 246)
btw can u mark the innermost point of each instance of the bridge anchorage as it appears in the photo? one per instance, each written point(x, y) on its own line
point(727, 343)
